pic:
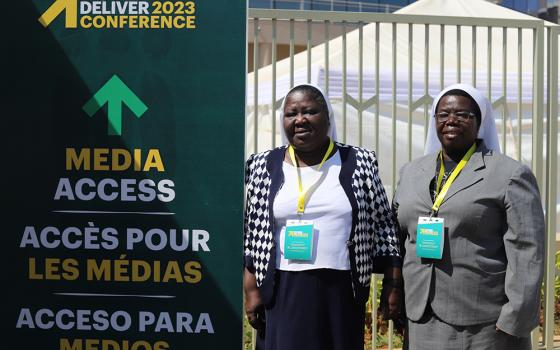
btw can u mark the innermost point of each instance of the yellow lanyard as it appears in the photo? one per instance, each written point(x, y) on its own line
point(301, 192)
point(441, 195)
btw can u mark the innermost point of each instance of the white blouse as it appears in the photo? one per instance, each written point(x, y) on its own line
point(326, 205)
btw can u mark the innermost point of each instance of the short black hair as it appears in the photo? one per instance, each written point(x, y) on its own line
point(458, 92)
point(314, 93)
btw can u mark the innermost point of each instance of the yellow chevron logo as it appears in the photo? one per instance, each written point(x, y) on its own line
point(71, 7)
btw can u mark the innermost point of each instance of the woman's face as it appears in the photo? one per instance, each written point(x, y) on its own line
point(456, 135)
point(306, 122)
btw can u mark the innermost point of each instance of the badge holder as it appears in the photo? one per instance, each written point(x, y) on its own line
point(298, 240)
point(430, 237)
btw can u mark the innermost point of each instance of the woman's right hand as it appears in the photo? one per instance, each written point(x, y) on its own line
point(254, 309)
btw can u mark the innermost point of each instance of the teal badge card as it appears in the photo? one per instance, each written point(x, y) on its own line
point(298, 240)
point(429, 237)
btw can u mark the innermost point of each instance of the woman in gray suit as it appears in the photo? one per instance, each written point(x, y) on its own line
point(473, 227)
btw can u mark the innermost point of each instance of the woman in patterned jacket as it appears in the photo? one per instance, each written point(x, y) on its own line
point(317, 225)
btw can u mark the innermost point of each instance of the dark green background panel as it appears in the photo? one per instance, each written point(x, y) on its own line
point(193, 82)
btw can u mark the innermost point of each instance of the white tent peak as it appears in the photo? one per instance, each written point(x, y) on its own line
point(465, 8)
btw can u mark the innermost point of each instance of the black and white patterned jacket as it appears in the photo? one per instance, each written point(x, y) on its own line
point(373, 244)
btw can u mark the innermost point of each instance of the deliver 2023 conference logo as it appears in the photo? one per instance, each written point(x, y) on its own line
point(117, 14)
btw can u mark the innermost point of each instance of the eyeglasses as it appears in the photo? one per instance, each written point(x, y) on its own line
point(461, 116)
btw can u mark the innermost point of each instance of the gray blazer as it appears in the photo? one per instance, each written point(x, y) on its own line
point(492, 263)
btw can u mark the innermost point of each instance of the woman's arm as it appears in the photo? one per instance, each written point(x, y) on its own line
point(524, 244)
point(253, 305)
point(386, 233)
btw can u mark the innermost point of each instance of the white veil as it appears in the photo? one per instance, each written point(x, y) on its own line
point(487, 130)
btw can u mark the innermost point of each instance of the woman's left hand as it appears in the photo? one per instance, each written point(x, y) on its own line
point(391, 302)
point(391, 306)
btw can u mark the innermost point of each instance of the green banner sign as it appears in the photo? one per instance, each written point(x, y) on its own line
point(123, 183)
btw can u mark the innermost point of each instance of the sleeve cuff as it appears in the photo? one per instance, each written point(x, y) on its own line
point(248, 263)
point(512, 326)
point(380, 263)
